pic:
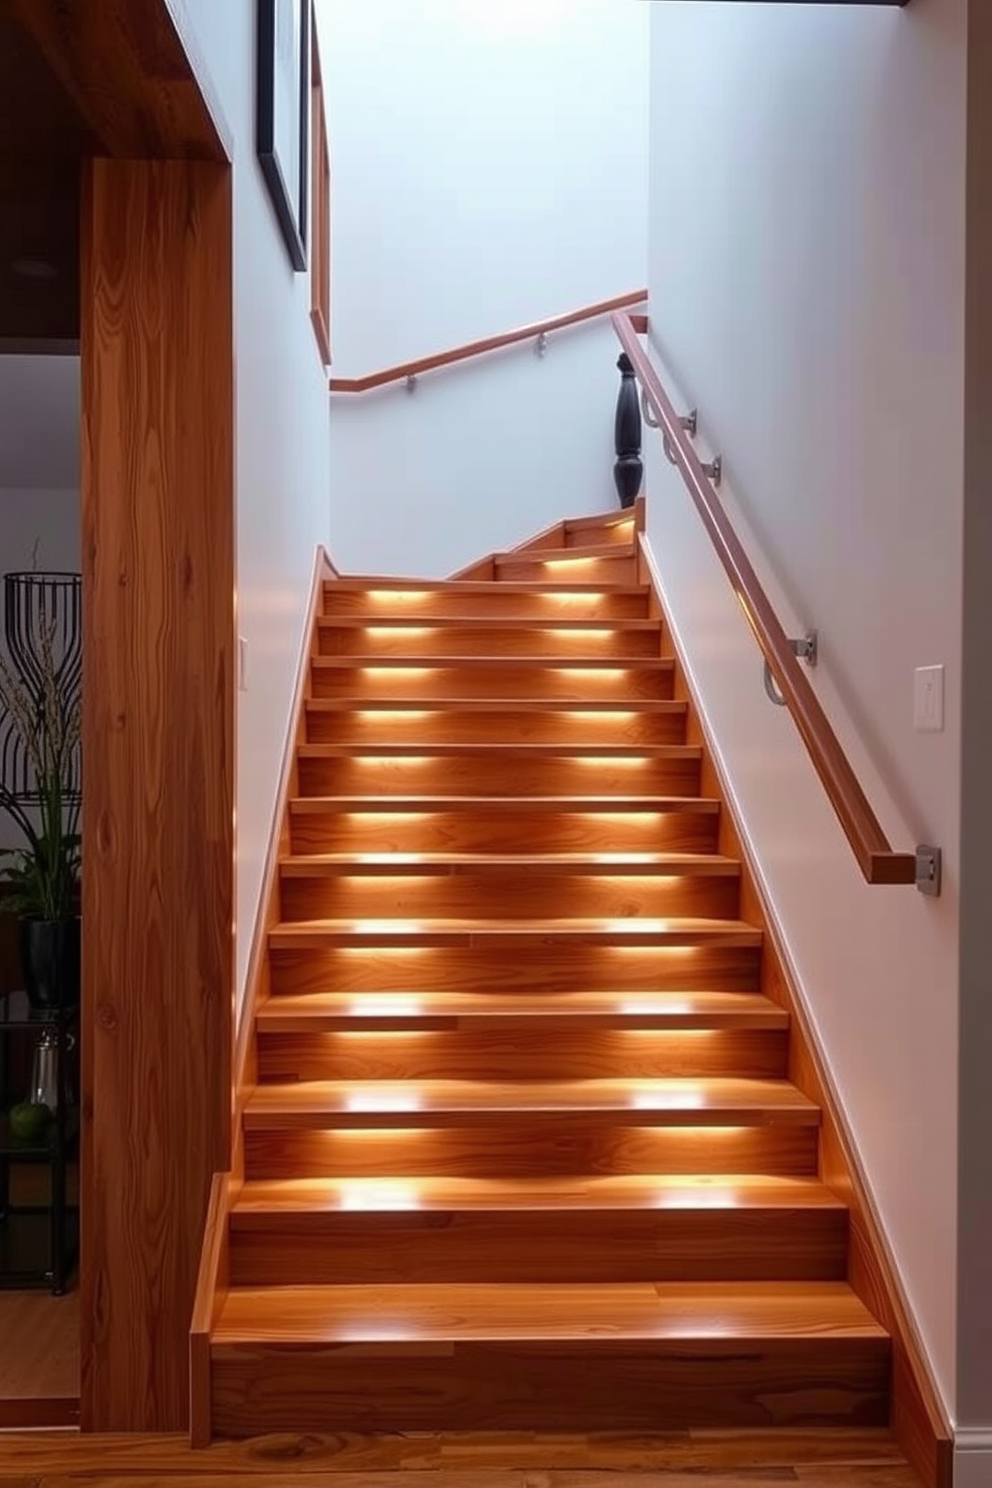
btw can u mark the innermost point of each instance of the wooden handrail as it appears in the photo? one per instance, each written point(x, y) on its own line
point(875, 857)
point(491, 343)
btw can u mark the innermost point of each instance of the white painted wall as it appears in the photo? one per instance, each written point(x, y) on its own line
point(38, 529)
point(807, 251)
point(488, 170)
point(282, 454)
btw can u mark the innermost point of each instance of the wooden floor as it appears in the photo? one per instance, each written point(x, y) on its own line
point(39, 1359)
point(851, 1459)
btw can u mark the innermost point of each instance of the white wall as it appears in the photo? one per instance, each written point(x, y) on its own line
point(488, 170)
point(38, 529)
point(282, 453)
point(807, 230)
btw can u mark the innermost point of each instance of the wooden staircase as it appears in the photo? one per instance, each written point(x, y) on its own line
point(520, 1150)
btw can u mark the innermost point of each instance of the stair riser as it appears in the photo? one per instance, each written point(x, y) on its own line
point(514, 1151)
point(497, 775)
point(375, 642)
point(536, 969)
point(578, 1387)
point(619, 683)
point(523, 570)
point(526, 896)
point(447, 726)
point(480, 1054)
point(597, 534)
point(499, 600)
point(570, 1246)
point(502, 829)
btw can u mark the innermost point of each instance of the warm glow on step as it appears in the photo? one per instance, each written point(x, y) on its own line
point(618, 761)
point(700, 1198)
point(682, 1097)
point(387, 927)
point(361, 1194)
point(396, 671)
point(381, 715)
point(583, 671)
point(564, 562)
point(385, 1005)
point(397, 596)
point(382, 632)
point(382, 1099)
point(394, 759)
point(649, 1008)
point(596, 635)
point(676, 1037)
point(621, 857)
point(610, 715)
point(387, 859)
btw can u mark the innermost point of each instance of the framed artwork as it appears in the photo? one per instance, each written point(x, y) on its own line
point(282, 116)
point(320, 256)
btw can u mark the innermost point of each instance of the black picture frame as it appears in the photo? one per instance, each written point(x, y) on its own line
point(282, 116)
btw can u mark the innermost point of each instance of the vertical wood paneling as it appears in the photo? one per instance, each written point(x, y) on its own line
point(158, 566)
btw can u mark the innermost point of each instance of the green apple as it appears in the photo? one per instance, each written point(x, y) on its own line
point(29, 1122)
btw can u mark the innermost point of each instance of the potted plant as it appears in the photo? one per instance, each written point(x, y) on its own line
point(43, 876)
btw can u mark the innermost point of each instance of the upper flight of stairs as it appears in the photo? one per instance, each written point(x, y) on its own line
point(522, 1152)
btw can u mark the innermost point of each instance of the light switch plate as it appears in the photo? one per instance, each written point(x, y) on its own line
point(928, 699)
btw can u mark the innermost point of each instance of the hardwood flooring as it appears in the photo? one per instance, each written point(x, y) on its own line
point(808, 1459)
point(39, 1359)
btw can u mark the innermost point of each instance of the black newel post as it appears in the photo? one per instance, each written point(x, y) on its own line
point(628, 471)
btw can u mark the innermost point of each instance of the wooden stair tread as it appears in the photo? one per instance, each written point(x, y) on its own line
point(262, 1199)
point(495, 705)
point(565, 555)
point(333, 864)
point(452, 1102)
point(487, 621)
point(311, 805)
point(414, 750)
point(357, 661)
point(632, 930)
point(389, 584)
point(675, 1312)
point(612, 518)
point(322, 1012)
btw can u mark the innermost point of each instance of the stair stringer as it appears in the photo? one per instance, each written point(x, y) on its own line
point(212, 1276)
point(918, 1421)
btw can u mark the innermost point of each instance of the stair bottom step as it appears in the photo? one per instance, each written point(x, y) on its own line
point(621, 1358)
point(567, 1357)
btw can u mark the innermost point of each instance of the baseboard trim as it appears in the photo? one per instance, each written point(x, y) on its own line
point(973, 1457)
point(266, 908)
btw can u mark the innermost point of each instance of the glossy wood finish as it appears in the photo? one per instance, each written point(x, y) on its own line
point(846, 1458)
point(875, 857)
point(158, 709)
point(517, 1040)
point(638, 1228)
point(78, 81)
point(39, 1360)
point(154, 105)
point(490, 343)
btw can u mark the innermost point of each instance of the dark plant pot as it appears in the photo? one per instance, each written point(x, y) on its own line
point(50, 962)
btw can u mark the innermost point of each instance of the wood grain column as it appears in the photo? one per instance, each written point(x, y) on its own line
point(158, 730)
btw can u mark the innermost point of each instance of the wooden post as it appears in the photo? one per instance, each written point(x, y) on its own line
point(158, 751)
point(628, 472)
